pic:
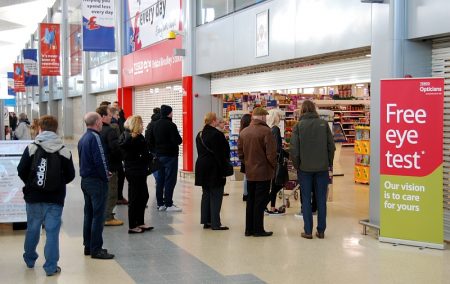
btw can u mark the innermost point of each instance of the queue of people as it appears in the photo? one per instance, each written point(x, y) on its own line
point(109, 148)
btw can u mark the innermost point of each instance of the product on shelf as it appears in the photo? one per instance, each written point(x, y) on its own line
point(362, 154)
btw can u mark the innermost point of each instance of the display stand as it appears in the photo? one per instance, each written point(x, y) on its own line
point(12, 204)
point(362, 154)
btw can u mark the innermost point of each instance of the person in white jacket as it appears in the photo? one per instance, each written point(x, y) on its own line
point(23, 128)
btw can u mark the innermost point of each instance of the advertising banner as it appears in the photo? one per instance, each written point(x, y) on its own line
point(11, 84)
point(149, 21)
point(30, 67)
point(411, 162)
point(98, 25)
point(50, 49)
point(155, 64)
point(19, 78)
point(75, 49)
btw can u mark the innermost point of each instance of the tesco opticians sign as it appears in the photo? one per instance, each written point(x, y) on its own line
point(411, 161)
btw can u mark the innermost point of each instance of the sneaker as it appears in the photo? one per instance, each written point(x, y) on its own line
point(173, 208)
point(161, 208)
point(58, 270)
point(299, 215)
point(267, 211)
point(276, 213)
point(114, 222)
point(102, 254)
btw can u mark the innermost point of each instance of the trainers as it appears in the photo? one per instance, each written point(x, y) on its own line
point(173, 208)
point(102, 254)
point(267, 211)
point(276, 213)
point(298, 215)
point(58, 270)
point(161, 208)
point(114, 222)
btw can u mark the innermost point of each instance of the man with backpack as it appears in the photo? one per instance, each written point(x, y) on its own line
point(45, 167)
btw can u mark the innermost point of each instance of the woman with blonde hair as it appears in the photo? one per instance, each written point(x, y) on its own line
point(273, 121)
point(34, 128)
point(136, 158)
point(213, 155)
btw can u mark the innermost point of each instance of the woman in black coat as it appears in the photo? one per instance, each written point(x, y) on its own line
point(136, 157)
point(213, 155)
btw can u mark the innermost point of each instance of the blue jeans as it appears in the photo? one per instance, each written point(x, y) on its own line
point(166, 179)
point(245, 185)
point(48, 214)
point(306, 180)
point(95, 193)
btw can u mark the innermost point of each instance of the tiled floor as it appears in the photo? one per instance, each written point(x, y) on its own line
point(180, 251)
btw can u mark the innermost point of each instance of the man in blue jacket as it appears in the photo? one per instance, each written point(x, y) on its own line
point(94, 183)
point(45, 206)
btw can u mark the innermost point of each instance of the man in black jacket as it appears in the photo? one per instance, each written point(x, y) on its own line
point(163, 139)
point(45, 207)
point(110, 139)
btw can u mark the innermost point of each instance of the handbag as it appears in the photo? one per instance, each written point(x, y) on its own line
point(281, 172)
point(154, 165)
point(227, 168)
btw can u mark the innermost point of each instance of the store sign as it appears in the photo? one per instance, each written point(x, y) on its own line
point(30, 67)
point(19, 78)
point(152, 65)
point(50, 48)
point(150, 21)
point(411, 161)
point(98, 25)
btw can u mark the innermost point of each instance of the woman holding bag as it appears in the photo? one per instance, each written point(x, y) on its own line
point(210, 171)
point(136, 158)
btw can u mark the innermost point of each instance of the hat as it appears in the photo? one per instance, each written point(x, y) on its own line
point(165, 110)
point(258, 111)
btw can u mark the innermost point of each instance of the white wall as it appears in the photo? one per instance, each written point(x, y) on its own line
point(428, 18)
point(297, 28)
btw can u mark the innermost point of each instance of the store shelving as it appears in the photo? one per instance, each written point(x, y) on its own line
point(362, 154)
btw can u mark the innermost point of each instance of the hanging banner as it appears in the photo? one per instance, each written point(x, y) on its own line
point(30, 67)
point(411, 162)
point(50, 49)
point(19, 78)
point(150, 21)
point(98, 25)
point(75, 49)
point(11, 84)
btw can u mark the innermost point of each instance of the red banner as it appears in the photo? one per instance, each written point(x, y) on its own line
point(50, 49)
point(75, 49)
point(411, 126)
point(151, 65)
point(19, 78)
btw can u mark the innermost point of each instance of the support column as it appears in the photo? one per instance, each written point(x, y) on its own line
point(393, 56)
point(67, 105)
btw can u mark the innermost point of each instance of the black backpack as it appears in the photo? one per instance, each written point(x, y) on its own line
point(46, 171)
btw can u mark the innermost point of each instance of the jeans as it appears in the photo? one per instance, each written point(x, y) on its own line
point(95, 193)
point(210, 206)
point(245, 185)
point(137, 199)
point(166, 179)
point(112, 196)
point(258, 193)
point(307, 181)
point(48, 214)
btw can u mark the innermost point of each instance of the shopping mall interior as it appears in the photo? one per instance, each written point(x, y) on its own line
point(377, 71)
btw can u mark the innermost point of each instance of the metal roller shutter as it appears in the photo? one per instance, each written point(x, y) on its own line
point(108, 96)
point(441, 68)
point(77, 116)
point(148, 97)
point(348, 71)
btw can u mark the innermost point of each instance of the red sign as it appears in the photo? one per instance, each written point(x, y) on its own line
point(50, 49)
point(155, 64)
point(19, 77)
point(75, 49)
point(411, 126)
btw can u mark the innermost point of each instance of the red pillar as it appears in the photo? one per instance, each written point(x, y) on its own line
point(188, 128)
point(125, 99)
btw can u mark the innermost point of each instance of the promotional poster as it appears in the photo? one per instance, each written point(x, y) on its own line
point(30, 67)
point(98, 25)
point(50, 49)
point(19, 78)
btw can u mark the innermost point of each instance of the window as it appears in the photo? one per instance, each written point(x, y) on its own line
point(210, 10)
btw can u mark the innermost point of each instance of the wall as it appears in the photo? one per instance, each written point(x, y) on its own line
point(296, 29)
point(428, 18)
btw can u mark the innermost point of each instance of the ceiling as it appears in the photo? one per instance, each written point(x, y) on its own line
point(18, 21)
